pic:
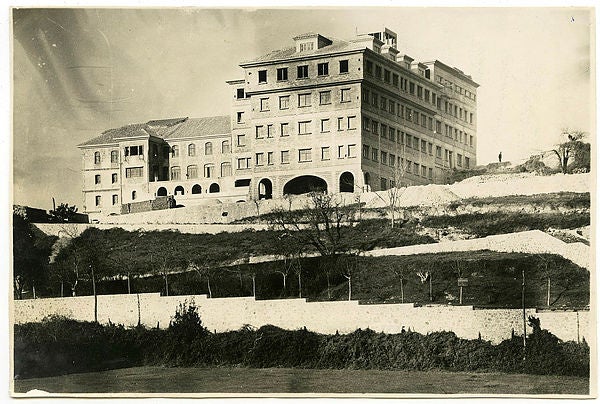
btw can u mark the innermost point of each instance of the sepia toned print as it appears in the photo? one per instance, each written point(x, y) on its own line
point(301, 202)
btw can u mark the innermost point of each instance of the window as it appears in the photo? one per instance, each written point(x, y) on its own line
point(340, 123)
point(284, 102)
point(426, 95)
point(392, 134)
point(304, 100)
point(409, 140)
point(366, 124)
point(192, 171)
point(386, 76)
point(383, 158)
point(226, 169)
point(365, 95)
point(325, 97)
point(459, 160)
point(470, 117)
point(325, 155)
point(395, 80)
point(419, 91)
point(423, 171)
point(98, 200)
point(270, 158)
point(240, 117)
point(411, 87)
point(175, 151)
point(351, 151)
point(392, 160)
point(375, 127)
point(375, 154)
point(97, 157)
point(260, 159)
point(208, 149)
point(306, 46)
point(243, 163)
point(304, 128)
point(260, 132)
point(365, 151)
point(240, 93)
point(423, 146)
point(438, 152)
point(303, 72)
point(115, 199)
point(191, 150)
point(270, 131)
point(134, 172)
point(416, 168)
point(471, 140)
point(114, 156)
point(175, 173)
point(438, 127)
point(383, 184)
point(264, 104)
point(114, 178)
point(97, 179)
point(343, 66)
point(285, 129)
point(369, 67)
point(378, 71)
point(391, 107)
point(384, 131)
point(415, 143)
point(416, 117)
point(409, 114)
point(262, 76)
point(430, 123)
point(345, 95)
point(383, 104)
point(282, 74)
point(323, 69)
point(467, 162)
point(408, 166)
point(304, 155)
point(225, 147)
point(340, 152)
point(241, 140)
point(209, 170)
point(324, 125)
point(374, 99)
point(285, 157)
point(351, 122)
point(430, 148)
point(430, 173)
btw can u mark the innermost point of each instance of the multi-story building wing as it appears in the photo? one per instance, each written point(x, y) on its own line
point(325, 114)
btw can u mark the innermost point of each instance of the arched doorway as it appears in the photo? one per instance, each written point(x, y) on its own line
point(265, 189)
point(162, 191)
point(196, 189)
point(214, 188)
point(179, 190)
point(367, 186)
point(305, 184)
point(347, 182)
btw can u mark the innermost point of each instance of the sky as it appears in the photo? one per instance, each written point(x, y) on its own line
point(78, 72)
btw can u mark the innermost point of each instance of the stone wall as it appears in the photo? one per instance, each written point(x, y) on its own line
point(224, 314)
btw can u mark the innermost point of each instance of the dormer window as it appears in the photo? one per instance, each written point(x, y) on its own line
point(307, 46)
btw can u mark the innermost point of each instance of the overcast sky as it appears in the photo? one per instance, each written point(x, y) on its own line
point(78, 72)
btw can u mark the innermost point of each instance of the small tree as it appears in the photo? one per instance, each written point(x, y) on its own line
point(570, 148)
point(204, 272)
point(63, 213)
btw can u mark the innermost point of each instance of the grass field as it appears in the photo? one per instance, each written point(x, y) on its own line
point(285, 380)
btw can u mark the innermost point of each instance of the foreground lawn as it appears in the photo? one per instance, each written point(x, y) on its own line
point(285, 380)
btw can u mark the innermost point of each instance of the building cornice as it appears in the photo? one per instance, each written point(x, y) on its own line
point(305, 87)
point(300, 58)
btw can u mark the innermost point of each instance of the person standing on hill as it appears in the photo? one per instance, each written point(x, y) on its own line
point(500, 157)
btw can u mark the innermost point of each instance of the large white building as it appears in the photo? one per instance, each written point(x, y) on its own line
point(340, 116)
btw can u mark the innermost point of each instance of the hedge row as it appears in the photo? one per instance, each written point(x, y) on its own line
point(59, 346)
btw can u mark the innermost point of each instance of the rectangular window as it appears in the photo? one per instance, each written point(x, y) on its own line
point(374, 100)
point(366, 124)
point(391, 107)
point(343, 66)
point(270, 158)
point(323, 69)
point(438, 152)
point(415, 143)
point(419, 91)
point(97, 179)
point(115, 199)
point(378, 71)
point(471, 140)
point(365, 151)
point(98, 200)
point(324, 125)
point(192, 172)
point(423, 171)
point(409, 114)
point(423, 120)
point(340, 152)
point(438, 127)
point(426, 95)
point(240, 117)
point(325, 153)
point(209, 171)
point(430, 123)
point(467, 162)
point(270, 131)
point(285, 129)
point(411, 87)
point(264, 104)
point(365, 95)
point(134, 172)
point(423, 146)
point(459, 160)
point(430, 174)
point(375, 127)
point(375, 154)
point(285, 157)
point(243, 163)
point(239, 93)
point(114, 156)
point(324, 97)
point(395, 80)
point(306, 46)
point(386, 75)
point(351, 151)
point(304, 100)
point(416, 168)
point(241, 140)
point(392, 160)
point(409, 140)
point(430, 148)
point(282, 74)
point(304, 155)
point(408, 166)
point(383, 158)
point(351, 122)
point(383, 104)
point(260, 159)
point(384, 184)
point(260, 132)
point(304, 128)
point(392, 134)
point(262, 76)
point(384, 130)
point(369, 67)
point(340, 124)
point(345, 95)
point(303, 72)
point(470, 117)
point(114, 178)
point(284, 102)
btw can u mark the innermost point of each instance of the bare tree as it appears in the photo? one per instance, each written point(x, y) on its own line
point(202, 271)
point(348, 266)
point(569, 148)
point(401, 273)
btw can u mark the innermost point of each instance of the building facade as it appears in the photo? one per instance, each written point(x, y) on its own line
point(325, 114)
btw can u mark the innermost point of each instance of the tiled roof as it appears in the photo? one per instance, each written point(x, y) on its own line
point(174, 128)
point(336, 46)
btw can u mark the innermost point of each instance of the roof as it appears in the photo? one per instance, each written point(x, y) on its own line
point(337, 45)
point(172, 128)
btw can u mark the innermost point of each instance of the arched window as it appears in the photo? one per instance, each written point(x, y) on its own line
point(196, 189)
point(209, 170)
point(179, 190)
point(175, 173)
point(114, 156)
point(162, 191)
point(225, 147)
point(191, 150)
point(226, 169)
point(175, 151)
point(208, 148)
point(97, 157)
point(133, 195)
point(214, 188)
point(192, 171)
